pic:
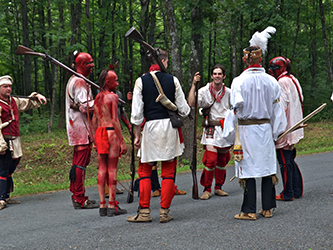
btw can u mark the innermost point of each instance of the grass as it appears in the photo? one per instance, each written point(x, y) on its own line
point(47, 159)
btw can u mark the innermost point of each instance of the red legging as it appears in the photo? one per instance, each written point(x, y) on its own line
point(214, 164)
point(81, 158)
point(168, 186)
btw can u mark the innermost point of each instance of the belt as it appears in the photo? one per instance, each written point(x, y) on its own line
point(214, 123)
point(9, 137)
point(210, 123)
point(253, 121)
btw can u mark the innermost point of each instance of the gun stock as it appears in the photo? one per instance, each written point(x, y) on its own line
point(132, 33)
point(29, 97)
point(22, 50)
point(132, 167)
point(195, 192)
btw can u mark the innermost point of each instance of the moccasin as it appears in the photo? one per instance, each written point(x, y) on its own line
point(116, 211)
point(156, 193)
point(205, 196)
point(246, 216)
point(103, 211)
point(12, 201)
point(164, 215)
point(119, 191)
point(220, 192)
point(266, 213)
point(2, 204)
point(88, 204)
point(142, 216)
point(180, 192)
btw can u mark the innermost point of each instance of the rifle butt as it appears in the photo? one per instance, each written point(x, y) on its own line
point(130, 196)
point(195, 192)
point(22, 50)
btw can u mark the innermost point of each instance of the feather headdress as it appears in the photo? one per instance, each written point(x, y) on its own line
point(260, 39)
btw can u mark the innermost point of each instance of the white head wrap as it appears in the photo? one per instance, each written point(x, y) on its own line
point(6, 80)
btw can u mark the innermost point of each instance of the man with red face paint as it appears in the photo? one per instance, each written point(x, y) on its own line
point(159, 141)
point(79, 104)
point(109, 141)
point(215, 96)
point(292, 100)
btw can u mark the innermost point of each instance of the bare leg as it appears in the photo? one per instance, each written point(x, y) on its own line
point(101, 179)
point(112, 175)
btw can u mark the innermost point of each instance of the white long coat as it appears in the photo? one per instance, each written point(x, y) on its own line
point(254, 94)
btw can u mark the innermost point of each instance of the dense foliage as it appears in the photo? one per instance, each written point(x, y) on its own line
point(223, 28)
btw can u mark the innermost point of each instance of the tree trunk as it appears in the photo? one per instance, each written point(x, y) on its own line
point(195, 66)
point(63, 75)
point(327, 53)
point(174, 39)
point(89, 36)
point(234, 54)
point(113, 35)
point(53, 100)
point(125, 56)
point(313, 51)
point(26, 42)
point(297, 30)
point(144, 25)
point(209, 65)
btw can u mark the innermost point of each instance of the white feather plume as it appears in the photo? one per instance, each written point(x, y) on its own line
point(260, 39)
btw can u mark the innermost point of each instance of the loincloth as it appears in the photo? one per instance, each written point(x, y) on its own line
point(102, 140)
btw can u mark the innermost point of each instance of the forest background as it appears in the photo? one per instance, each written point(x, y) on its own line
point(198, 34)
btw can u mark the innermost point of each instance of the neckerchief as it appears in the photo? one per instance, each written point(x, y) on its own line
point(217, 95)
point(253, 66)
point(154, 67)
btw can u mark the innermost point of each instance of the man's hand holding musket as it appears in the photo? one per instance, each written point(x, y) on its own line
point(214, 99)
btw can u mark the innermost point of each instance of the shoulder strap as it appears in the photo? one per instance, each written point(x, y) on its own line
point(161, 97)
point(298, 90)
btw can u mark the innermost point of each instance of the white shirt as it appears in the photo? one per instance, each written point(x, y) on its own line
point(218, 111)
point(76, 121)
point(291, 103)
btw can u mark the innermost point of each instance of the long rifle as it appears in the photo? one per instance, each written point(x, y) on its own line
point(29, 97)
point(151, 51)
point(195, 193)
point(132, 167)
point(22, 50)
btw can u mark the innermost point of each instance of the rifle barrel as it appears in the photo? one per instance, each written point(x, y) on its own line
point(130, 195)
point(195, 192)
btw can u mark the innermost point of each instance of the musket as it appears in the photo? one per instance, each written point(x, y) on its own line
point(297, 125)
point(132, 167)
point(151, 51)
point(195, 192)
point(29, 97)
point(22, 50)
